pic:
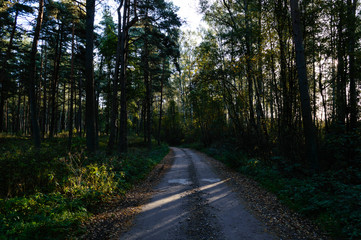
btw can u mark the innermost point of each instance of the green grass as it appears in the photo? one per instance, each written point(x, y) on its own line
point(331, 199)
point(47, 194)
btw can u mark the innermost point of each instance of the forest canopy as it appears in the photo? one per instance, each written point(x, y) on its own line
point(276, 80)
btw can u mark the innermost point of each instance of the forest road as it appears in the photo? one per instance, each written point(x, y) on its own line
point(192, 202)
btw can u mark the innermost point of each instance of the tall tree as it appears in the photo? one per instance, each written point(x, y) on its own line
point(71, 104)
point(158, 20)
point(32, 77)
point(309, 131)
point(127, 24)
point(4, 81)
point(124, 24)
point(90, 111)
point(352, 20)
point(114, 97)
point(341, 81)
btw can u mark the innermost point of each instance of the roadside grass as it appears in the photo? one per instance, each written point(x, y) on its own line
point(47, 194)
point(331, 199)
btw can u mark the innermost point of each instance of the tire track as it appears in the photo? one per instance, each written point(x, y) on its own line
point(201, 224)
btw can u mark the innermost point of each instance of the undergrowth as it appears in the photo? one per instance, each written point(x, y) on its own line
point(331, 199)
point(47, 194)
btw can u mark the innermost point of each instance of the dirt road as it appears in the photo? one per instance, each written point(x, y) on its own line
point(192, 202)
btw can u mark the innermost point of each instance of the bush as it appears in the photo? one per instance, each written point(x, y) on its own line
point(91, 183)
point(332, 199)
point(341, 149)
point(28, 172)
point(135, 165)
point(40, 216)
point(233, 159)
point(49, 195)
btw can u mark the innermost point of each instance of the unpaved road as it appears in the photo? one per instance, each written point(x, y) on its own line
point(192, 202)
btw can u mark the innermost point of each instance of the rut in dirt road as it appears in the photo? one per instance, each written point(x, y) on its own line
point(192, 202)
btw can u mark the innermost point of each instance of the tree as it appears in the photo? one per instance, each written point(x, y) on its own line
point(127, 24)
point(90, 110)
point(32, 77)
point(309, 132)
point(159, 21)
point(71, 104)
point(108, 49)
point(351, 30)
point(124, 24)
point(4, 81)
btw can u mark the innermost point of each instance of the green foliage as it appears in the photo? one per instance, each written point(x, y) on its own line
point(230, 158)
point(172, 131)
point(91, 183)
point(333, 204)
point(28, 171)
point(136, 164)
point(341, 149)
point(41, 216)
point(332, 199)
point(47, 194)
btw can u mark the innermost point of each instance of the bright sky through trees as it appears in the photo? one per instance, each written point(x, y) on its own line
point(188, 12)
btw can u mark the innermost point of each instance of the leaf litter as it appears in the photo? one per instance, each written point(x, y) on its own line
point(116, 216)
point(287, 224)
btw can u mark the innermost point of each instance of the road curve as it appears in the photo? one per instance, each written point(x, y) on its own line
point(192, 202)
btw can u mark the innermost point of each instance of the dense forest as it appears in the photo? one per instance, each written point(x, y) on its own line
point(269, 87)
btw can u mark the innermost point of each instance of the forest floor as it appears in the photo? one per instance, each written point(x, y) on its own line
point(116, 216)
point(192, 196)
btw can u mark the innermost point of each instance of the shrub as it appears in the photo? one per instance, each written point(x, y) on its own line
point(40, 216)
point(332, 199)
point(49, 195)
point(28, 172)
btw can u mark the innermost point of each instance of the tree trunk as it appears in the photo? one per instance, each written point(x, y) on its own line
point(23, 120)
point(261, 119)
point(123, 128)
point(123, 141)
point(3, 72)
point(89, 78)
point(63, 112)
point(70, 124)
point(341, 74)
point(351, 13)
point(310, 138)
point(80, 109)
point(320, 85)
point(249, 55)
point(32, 78)
point(144, 114)
point(161, 102)
point(44, 114)
point(54, 86)
point(114, 97)
point(148, 86)
point(2, 111)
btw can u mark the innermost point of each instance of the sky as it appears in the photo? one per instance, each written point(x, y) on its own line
point(188, 11)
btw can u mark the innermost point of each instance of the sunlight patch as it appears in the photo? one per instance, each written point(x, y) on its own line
point(211, 180)
point(182, 181)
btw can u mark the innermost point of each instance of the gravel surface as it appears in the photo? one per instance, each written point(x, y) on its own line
point(117, 215)
point(287, 224)
point(193, 202)
point(192, 196)
point(202, 224)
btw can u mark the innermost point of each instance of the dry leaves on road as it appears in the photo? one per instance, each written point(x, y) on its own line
point(116, 216)
point(279, 219)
